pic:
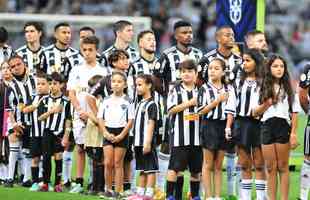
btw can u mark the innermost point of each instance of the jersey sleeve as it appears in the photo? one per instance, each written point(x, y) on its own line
point(172, 99)
point(231, 103)
point(68, 111)
point(304, 81)
point(131, 111)
point(11, 99)
point(202, 98)
point(72, 80)
point(152, 112)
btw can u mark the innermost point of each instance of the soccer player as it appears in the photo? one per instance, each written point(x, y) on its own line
point(60, 57)
point(20, 93)
point(123, 31)
point(257, 40)
point(32, 51)
point(6, 51)
point(78, 87)
point(304, 84)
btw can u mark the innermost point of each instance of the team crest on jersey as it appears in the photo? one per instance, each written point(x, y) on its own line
point(235, 12)
point(303, 77)
point(123, 106)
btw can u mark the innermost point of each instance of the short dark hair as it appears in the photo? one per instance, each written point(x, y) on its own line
point(61, 24)
point(181, 23)
point(142, 33)
point(188, 64)
point(87, 28)
point(253, 33)
point(120, 25)
point(115, 56)
point(221, 28)
point(55, 76)
point(147, 79)
point(4, 36)
point(94, 80)
point(15, 56)
point(42, 75)
point(91, 40)
point(37, 25)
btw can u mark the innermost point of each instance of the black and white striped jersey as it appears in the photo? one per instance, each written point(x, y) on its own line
point(56, 122)
point(132, 52)
point(142, 66)
point(37, 127)
point(145, 111)
point(20, 94)
point(61, 61)
point(32, 59)
point(233, 64)
point(167, 67)
point(246, 98)
point(6, 52)
point(209, 93)
point(184, 125)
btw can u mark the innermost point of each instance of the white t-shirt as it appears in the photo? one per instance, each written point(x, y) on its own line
point(78, 81)
point(116, 111)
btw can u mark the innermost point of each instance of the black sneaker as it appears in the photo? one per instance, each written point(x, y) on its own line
point(9, 183)
point(67, 185)
point(27, 184)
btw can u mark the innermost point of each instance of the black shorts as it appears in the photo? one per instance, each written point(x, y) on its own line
point(51, 143)
point(213, 136)
point(26, 137)
point(246, 133)
point(4, 150)
point(147, 163)
point(307, 140)
point(186, 157)
point(275, 130)
point(116, 131)
point(128, 155)
point(95, 153)
point(36, 146)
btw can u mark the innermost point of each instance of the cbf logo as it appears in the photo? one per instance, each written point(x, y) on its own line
point(235, 10)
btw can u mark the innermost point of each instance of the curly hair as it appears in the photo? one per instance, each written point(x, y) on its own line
point(267, 89)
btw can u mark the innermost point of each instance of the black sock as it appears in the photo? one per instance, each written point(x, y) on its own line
point(58, 171)
point(95, 177)
point(179, 188)
point(100, 178)
point(35, 174)
point(47, 168)
point(127, 186)
point(195, 188)
point(79, 181)
point(170, 188)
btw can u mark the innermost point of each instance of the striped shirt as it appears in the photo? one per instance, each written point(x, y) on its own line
point(168, 65)
point(6, 52)
point(132, 52)
point(37, 127)
point(61, 61)
point(143, 66)
point(56, 122)
point(116, 111)
point(233, 64)
point(21, 94)
point(145, 111)
point(32, 59)
point(184, 125)
point(209, 93)
point(246, 98)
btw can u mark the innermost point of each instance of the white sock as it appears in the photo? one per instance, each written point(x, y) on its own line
point(134, 175)
point(305, 180)
point(67, 166)
point(20, 159)
point(163, 162)
point(149, 192)
point(246, 189)
point(41, 167)
point(230, 169)
point(1, 172)
point(90, 170)
point(260, 189)
point(27, 165)
point(5, 171)
point(14, 152)
point(238, 181)
point(140, 191)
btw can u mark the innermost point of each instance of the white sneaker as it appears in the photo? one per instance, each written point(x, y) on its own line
point(77, 188)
